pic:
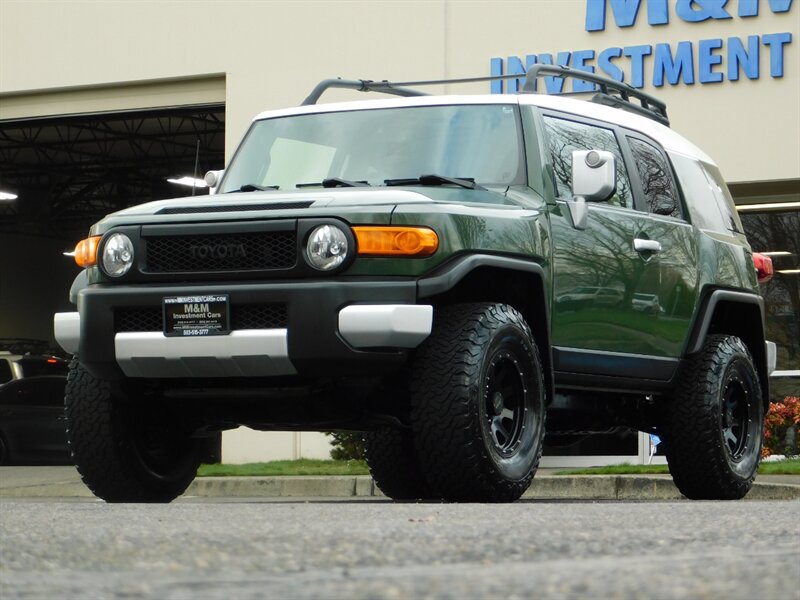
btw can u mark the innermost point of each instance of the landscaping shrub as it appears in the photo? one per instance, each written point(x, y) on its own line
point(347, 445)
point(780, 427)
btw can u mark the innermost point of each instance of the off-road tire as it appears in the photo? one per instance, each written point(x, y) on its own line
point(4, 453)
point(479, 365)
point(126, 449)
point(713, 422)
point(393, 464)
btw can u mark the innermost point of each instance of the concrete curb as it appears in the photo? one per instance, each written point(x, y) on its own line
point(584, 487)
point(562, 487)
point(346, 486)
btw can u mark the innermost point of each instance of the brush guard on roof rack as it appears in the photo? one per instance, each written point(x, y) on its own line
point(611, 92)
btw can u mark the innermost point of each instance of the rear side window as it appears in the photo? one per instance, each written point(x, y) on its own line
point(658, 185)
point(723, 197)
point(701, 203)
point(564, 137)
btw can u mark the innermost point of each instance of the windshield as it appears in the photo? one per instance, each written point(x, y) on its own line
point(478, 142)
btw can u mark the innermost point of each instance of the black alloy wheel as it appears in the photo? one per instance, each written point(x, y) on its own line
point(713, 422)
point(738, 411)
point(504, 403)
point(478, 404)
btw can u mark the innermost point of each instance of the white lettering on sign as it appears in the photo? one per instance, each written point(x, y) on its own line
point(195, 308)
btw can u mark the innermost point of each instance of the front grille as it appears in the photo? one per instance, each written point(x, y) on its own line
point(243, 316)
point(138, 319)
point(258, 316)
point(258, 251)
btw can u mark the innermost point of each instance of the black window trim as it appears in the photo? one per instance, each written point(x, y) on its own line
point(619, 133)
point(636, 183)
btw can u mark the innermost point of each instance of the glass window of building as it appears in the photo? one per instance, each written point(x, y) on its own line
point(777, 234)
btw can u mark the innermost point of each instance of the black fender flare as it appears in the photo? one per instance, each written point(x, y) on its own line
point(448, 275)
point(756, 342)
point(81, 281)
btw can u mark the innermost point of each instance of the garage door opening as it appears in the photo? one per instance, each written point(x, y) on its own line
point(61, 174)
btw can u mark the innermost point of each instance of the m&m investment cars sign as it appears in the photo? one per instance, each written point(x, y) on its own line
point(703, 61)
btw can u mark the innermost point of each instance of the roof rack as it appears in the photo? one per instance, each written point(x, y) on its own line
point(612, 92)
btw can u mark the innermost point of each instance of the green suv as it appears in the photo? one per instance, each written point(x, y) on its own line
point(441, 273)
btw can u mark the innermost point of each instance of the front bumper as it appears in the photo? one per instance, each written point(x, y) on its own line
point(772, 357)
point(332, 328)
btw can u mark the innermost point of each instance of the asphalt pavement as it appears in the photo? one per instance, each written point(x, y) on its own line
point(64, 482)
point(366, 548)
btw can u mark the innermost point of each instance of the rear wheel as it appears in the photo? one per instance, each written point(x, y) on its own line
point(127, 449)
point(3, 451)
point(478, 404)
point(713, 423)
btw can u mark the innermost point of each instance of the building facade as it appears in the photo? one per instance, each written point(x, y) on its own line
point(71, 72)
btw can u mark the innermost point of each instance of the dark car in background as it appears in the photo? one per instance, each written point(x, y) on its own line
point(32, 424)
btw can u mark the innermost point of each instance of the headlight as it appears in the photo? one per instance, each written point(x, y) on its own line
point(117, 255)
point(327, 247)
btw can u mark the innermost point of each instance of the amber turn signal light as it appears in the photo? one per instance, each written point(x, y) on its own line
point(86, 252)
point(764, 269)
point(396, 241)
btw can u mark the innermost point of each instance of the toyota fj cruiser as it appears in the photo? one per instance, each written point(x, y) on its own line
point(413, 268)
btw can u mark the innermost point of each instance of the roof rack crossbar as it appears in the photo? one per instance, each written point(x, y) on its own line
point(612, 92)
point(361, 85)
point(396, 88)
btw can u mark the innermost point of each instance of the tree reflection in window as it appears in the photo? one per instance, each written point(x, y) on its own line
point(658, 185)
point(564, 137)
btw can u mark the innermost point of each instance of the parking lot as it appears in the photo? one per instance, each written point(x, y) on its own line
point(372, 548)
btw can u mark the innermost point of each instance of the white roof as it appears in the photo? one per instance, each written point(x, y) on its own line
point(669, 139)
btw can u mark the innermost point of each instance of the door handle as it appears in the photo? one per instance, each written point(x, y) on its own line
point(641, 245)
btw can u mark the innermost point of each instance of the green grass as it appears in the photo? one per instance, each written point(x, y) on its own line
point(790, 466)
point(623, 469)
point(784, 467)
point(356, 467)
point(303, 466)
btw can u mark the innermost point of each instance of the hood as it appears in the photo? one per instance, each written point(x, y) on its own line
point(307, 202)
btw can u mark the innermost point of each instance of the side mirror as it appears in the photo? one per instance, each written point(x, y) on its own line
point(213, 179)
point(594, 174)
point(594, 179)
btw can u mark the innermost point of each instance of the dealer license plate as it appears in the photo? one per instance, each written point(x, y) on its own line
point(186, 316)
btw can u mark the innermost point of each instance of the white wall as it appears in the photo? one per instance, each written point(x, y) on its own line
point(245, 445)
point(272, 53)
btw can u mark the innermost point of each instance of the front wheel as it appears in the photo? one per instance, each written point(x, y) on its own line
point(713, 423)
point(394, 466)
point(478, 404)
point(127, 449)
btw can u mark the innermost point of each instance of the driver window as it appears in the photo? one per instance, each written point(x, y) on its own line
point(563, 137)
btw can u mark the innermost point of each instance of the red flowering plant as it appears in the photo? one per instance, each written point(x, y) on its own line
point(781, 417)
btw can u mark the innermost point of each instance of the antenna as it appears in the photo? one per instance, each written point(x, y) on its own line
point(196, 166)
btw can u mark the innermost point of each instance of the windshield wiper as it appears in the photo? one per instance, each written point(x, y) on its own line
point(333, 182)
point(252, 187)
point(465, 182)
